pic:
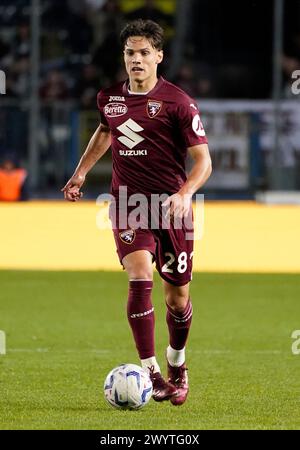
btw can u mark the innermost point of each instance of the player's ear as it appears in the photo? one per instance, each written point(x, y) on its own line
point(160, 56)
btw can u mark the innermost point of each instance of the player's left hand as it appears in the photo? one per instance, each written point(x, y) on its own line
point(72, 189)
point(178, 205)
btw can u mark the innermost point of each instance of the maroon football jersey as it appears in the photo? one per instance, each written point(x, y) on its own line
point(150, 135)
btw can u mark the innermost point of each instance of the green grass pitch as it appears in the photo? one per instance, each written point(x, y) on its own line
point(66, 330)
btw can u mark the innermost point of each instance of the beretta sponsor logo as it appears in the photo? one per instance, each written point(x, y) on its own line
point(115, 109)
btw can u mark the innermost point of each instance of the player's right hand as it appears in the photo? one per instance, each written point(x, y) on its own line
point(72, 189)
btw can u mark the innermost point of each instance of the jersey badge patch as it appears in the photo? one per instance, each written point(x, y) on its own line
point(153, 108)
point(127, 236)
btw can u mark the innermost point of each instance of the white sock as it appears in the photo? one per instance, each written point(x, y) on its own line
point(175, 357)
point(149, 363)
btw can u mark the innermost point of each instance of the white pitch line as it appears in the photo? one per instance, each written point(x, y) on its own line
point(205, 352)
point(47, 350)
point(225, 352)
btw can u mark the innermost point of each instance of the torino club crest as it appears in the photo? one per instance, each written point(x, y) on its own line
point(127, 236)
point(153, 108)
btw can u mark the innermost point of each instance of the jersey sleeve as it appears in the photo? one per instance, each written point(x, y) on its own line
point(101, 104)
point(190, 124)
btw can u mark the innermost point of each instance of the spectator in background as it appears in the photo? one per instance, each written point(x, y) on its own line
point(204, 80)
point(87, 86)
point(185, 79)
point(19, 77)
point(152, 10)
point(21, 43)
point(106, 26)
point(5, 53)
point(149, 10)
point(68, 19)
point(104, 17)
point(55, 86)
point(12, 181)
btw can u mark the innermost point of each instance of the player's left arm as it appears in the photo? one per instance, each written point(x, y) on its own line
point(180, 202)
point(201, 169)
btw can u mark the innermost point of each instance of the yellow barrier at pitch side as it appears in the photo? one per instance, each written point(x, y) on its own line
point(238, 237)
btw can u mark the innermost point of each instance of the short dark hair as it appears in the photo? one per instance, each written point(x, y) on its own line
point(146, 28)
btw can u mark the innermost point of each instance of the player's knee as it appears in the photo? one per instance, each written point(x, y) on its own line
point(140, 273)
point(140, 276)
point(177, 301)
point(138, 266)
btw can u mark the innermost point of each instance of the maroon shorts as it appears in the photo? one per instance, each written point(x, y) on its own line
point(172, 249)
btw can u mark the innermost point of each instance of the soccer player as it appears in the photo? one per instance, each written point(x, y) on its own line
point(151, 125)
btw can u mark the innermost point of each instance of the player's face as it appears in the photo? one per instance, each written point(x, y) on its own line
point(141, 59)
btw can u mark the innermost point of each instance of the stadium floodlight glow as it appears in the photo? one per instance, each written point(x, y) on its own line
point(2, 343)
point(2, 82)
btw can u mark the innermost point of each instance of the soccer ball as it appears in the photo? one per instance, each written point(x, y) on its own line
point(127, 387)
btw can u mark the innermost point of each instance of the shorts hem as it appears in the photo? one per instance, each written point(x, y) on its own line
point(137, 250)
point(175, 283)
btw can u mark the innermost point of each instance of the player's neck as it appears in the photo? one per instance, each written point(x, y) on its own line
point(142, 86)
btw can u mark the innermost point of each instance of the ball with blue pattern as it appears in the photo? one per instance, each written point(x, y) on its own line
point(128, 386)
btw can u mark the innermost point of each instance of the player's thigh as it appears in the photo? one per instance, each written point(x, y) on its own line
point(136, 249)
point(138, 265)
point(174, 256)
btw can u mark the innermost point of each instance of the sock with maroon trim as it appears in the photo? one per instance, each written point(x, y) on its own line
point(179, 325)
point(140, 313)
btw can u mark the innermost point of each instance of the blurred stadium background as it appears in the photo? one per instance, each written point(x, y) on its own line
point(56, 55)
point(239, 60)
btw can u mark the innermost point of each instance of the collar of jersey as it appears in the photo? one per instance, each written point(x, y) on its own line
point(137, 93)
point(125, 89)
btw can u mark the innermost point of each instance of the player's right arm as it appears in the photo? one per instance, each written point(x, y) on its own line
point(96, 148)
